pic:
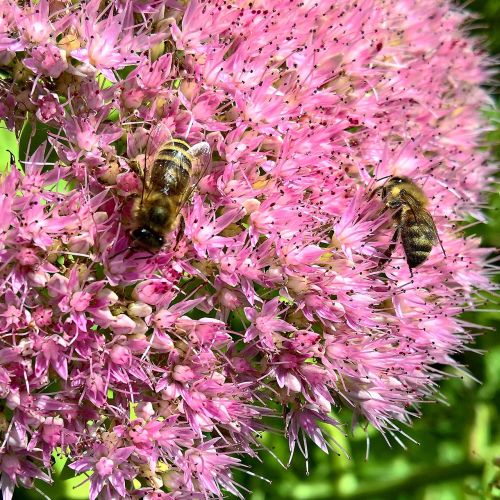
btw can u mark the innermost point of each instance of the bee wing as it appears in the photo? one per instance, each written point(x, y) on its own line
point(159, 135)
point(203, 153)
point(422, 216)
point(432, 224)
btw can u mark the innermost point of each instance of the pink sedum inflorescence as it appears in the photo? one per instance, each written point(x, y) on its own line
point(152, 372)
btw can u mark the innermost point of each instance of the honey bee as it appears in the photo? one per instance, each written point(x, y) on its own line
point(414, 223)
point(165, 190)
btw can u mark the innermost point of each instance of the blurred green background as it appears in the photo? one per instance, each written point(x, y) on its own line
point(458, 451)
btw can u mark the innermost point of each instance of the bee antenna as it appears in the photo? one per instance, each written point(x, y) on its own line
point(382, 178)
point(120, 252)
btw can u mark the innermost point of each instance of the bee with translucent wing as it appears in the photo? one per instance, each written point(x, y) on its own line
point(165, 190)
point(414, 223)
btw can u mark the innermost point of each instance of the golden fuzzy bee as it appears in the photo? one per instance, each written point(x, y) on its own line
point(414, 223)
point(164, 191)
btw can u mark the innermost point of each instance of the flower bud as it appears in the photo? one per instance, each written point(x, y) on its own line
point(229, 299)
point(141, 327)
point(162, 342)
point(297, 284)
point(183, 373)
point(122, 324)
point(27, 257)
point(120, 355)
point(38, 278)
point(251, 205)
point(108, 296)
point(79, 244)
point(144, 410)
point(139, 309)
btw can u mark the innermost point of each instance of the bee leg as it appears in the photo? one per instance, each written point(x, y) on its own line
point(374, 192)
point(180, 232)
point(390, 249)
point(136, 167)
point(440, 242)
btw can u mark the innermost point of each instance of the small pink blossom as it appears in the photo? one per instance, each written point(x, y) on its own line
point(266, 325)
point(110, 467)
point(49, 108)
point(46, 60)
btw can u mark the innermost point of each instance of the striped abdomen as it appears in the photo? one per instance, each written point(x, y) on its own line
point(418, 237)
point(172, 168)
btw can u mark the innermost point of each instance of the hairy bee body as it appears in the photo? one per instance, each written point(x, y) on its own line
point(157, 211)
point(417, 237)
point(413, 221)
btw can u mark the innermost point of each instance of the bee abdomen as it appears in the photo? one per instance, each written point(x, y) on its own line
point(418, 240)
point(172, 168)
point(177, 153)
point(416, 257)
point(177, 145)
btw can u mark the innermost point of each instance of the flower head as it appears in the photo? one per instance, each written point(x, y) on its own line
point(153, 371)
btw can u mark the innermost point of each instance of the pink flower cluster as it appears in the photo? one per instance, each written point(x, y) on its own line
point(152, 372)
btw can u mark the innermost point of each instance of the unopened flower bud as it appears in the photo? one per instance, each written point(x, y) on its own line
point(144, 410)
point(139, 309)
point(229, 299)
point(183, 373)
point(120, 355)
point(27, 257)
point(122, 324)
point(140, 326)
point(108, 296)
point(251, 205)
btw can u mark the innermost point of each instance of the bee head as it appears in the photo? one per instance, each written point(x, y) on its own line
point(148, 238)
point(391, 183)
point(391, 190)
point(397, 180)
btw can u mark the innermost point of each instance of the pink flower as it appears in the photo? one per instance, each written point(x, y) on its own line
point(152, 76)
point(51, 352)
point(46, 60)
point(205, 233)
point(86, 133)
point(49, 108)
point(110, 43)
point(34, 22)
point(203, 470)
point(266, 325)
point(110, 467)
